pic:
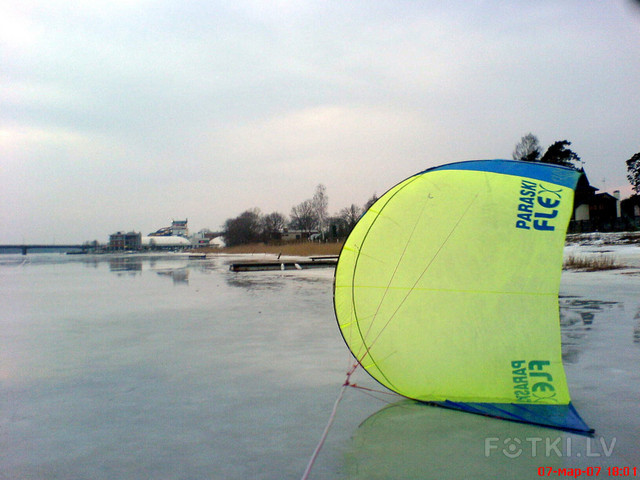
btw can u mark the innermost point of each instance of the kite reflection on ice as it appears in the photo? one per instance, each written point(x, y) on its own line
point(446, 291)
point(405, 440)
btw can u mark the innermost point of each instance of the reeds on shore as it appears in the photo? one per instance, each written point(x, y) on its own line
point(585, 262)
point(590, 263)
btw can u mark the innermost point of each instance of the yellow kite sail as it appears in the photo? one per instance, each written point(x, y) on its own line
point(447, 289)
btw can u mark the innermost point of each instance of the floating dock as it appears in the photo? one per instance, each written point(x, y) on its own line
point(315, 262)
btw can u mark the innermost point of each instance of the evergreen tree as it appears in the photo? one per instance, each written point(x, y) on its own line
point(559, 154)
point(245, 228)
point(633, 172)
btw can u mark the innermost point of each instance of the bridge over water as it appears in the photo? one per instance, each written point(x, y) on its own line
point(24, 248)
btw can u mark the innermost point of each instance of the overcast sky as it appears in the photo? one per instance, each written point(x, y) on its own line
point(126, 114)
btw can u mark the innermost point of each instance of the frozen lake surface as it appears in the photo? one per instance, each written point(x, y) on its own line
point(141, 367)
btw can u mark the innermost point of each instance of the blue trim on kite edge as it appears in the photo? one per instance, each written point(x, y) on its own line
point(545, 172)
point(559, 417)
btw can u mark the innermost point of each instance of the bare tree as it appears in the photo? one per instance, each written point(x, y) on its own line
point(304, 216)
point(273, 225)
point(350, 216)
point(342, 223)
point(528, 149)
point(371, 201)
point(321, 204)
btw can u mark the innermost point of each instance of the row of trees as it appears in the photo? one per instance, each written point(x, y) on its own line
point(558, 153)
point(529, 150)
point(311, 215)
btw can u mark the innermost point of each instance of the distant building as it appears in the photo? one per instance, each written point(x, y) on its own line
point(165, 242)
point(217, 242)
point(125, 241)
point(161, 232)
point(178, 228)
point(595, 211)
point(604, 210)
point(293, 235)
point(583, 195)
point(631, 209)
point(203, 238)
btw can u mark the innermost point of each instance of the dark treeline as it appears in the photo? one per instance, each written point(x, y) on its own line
point(311, 220)
point(558, 153)
point(529, 150)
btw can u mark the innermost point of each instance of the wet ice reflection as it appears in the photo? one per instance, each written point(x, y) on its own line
point(108, 371)
point(577, 316)
point(174, 368)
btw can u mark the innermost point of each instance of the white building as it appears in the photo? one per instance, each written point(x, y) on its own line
point(165, 242)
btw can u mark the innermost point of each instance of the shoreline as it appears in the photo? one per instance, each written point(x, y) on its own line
point(308, 249)
point(303, 249)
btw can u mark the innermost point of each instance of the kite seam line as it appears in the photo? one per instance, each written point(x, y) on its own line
point(393, 275)
point(420, 276)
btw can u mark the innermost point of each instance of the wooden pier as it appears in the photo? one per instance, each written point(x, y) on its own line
point(314, 262)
